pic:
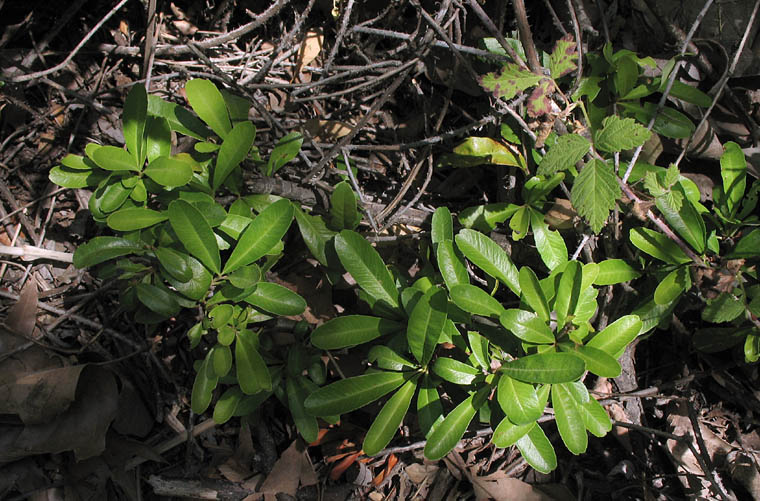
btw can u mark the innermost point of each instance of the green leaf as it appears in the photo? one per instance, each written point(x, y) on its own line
point(615, 337)
point(245, 277)
point(234, 150)
point(343, 212)
point(73, 178)
point(564, 154)
point(198, 286)
point(489, 257)
point(624, 75)
point(486, 217)
point(686, 221)
point(261, 235)
point(596, 360)
point(448, 432)
point(527, 326)
point(724, 308)
point(748, 247)
point(489, 151)
point(178, 118)
point(717, 339)
point(220, 315)
point(101, 249)
point(238, 106)
point(276, 299)
point(509, 81)
point(389, 359)
point(507, 433)
point(672, 286)
point(669, 122)
point(351, 330)
point(519, 401)
point(389, 419)
point(426, 323)
point(208, 103)
point(169, 171)
point(134, 218)
point(537, 450)
point(221, 358)
point(479, 347)
point(315, 234)
point(157, 299)
point(733, 172)
point(563, 57)
point(549, 243)
point(615, 271)
point(594, 193)
point(545, 368)
point(533, 294)
point(455, 371)
point(442, 226)
point(347, 395)
point(175, 263)
point(194, 232)
point(307, 425)
point(569, 419)
point(429, 408)
point(203, 387)
point(158, 137)
point(595, 418)
point(519, 223)
point(690, 94)
point(287, 149)
point(227, 404)
point(133, 118)
point(366, 266)
point(619, 134)
point(475, 300)
point(658, 246)
point(568, 292)
point(451, 264)
point(113, 158)
point(251, 370)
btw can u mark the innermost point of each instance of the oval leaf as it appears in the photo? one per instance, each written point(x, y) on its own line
point(135, 218)
point(507, 433)
point(489, 257)
point(157, 299)
point(351, 330)
point(658, 246)
point(234, 149)
point(442, 226)
point(569, 419)
point(276, 299)
point(595, 418)
point(451, 264)
point(545, 368)
point(133, 123)
point(455, 371)
point(227, 404)
point(519, 401)
point(203, 388)
point(672, 286)
point(597, 361)
point(615, 337)
point(175, 263)
point(252, 372)
point(101, 249)
point(537, 450)
point(426, 323)
point(475, 300)
point(169, 171)
point(527, 326)
point(208, 103)
point(389, 419)
point(194, 232)
point(353, 393)
point(614, 271)
point(533, 294)
point(307, 425)
point(448, 432)
point(113, 158)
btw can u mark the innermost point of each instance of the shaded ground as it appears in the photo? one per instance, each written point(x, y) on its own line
point(377, 83)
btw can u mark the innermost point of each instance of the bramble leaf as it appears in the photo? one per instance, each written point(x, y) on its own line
point(565, 153)
point(619, 134)
point(563, 57)
point(509, 81)
point(594, 193)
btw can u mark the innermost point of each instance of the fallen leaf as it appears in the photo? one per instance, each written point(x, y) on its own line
point(310, 49)
point(327, 131)
point(419, 473)
point(22, 316)
point(293, 468)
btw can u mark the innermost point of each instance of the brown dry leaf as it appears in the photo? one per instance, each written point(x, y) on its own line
point(37, 397)
point(283, 477)
point(419, 473)
point(499, 486)
point(21, 316)
point(310, 49)
point(327, 131)
point(561, 215)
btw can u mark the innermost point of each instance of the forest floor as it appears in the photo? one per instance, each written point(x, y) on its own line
point(372, 81)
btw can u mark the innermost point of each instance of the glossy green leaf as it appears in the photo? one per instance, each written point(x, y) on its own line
point(533, 294)
point(110, 195)
point(101, 249)
point(203, 388)
point(569, 419)
point(77, 162)
point(594, 193)
point(157, 299)
point(175, 263)
point(441, 226)
point(509, 81)
point(489, 257)
point(448, 432)
point(366, 266)
point(549, 243)
point(597, 361)
point(595, 418)
point(564, 154)
point(221, 359)
point(287, 149)
point(315, 234)
point(748, 247)
point(135, 218)
point(221, 315)
point(261, 235)
point(545, 368)
point(455, 371)
point(527, 326)
point(307, 425)
point(134, 118)
point(227, 404)
point(490, 151)
point(347, 395)
point(195, 233)
point(519, 401)
point(389, 359)
point(113, 158)
point(276, 299)
point(169, 171)
point(245, 277)
point(72, 178)
point(251, 370)
point(234, 150)
point(614, 271)
point(389, 419)
point(486, 217)
point(507, 433)
point(426, 323)
point(158, 137)
point(451, 264)
point(724, 308)
point(178, 118)
point(350, 330)
point(208, 103)
point(733, 173)
point(658, 246)
point(672, 286)
point(537, 450)
point(690, 94)
point(615, 337)
point(475, 300)
point(198, 286)
point(568, 292)
point(429, 408)
point(687, 222)
point(479, 347)
point(343, 212)
point(519, 223)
